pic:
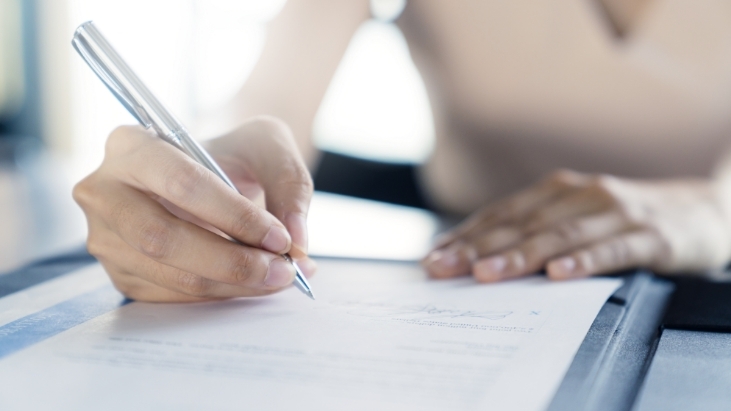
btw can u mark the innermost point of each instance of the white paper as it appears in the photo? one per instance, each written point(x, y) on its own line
point(379, 337)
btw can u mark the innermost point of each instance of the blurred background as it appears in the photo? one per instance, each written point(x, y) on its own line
point(55, 114)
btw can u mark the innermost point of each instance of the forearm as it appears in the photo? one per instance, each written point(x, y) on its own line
point(303, 49)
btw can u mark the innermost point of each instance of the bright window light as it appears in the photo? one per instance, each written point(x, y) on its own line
point(376, 106)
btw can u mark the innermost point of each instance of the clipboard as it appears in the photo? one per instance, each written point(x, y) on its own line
point(606, 373)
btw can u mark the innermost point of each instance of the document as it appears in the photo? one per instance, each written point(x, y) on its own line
point(379, 337)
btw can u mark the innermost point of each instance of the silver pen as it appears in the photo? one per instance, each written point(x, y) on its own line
point(147, 109)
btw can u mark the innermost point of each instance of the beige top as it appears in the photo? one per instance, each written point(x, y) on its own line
point(522, 87)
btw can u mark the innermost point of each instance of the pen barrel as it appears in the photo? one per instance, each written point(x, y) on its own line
point(122, 81)
point(119, 78)
point(136, 97)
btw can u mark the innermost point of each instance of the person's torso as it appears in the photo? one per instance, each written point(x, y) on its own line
point(520, 87)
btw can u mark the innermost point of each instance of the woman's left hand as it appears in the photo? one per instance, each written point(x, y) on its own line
point(576, 225)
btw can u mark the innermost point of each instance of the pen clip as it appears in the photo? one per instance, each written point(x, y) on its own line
point(109, 79)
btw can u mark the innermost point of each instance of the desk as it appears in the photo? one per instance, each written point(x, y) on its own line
point(691, 370)
point(624, 363)
point(38, 217)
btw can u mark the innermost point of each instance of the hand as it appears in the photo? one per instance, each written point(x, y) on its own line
point(155, 215)
point(576, 225)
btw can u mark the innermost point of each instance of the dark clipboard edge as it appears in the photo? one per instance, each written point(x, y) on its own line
point(609, 368)
point(43, 270)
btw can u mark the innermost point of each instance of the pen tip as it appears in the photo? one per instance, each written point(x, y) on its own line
point(309, 293)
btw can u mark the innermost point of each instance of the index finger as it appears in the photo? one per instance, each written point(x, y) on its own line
point(515, 207)
point(158, 167)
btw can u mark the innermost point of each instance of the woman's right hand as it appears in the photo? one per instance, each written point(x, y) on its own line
point(155, 215)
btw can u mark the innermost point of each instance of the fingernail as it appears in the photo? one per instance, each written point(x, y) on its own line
point(490, 269)
point(276, 240)
point(297, 225)
point(443, 258)
point(562, 268)
point(279, 274)
point(308, 267)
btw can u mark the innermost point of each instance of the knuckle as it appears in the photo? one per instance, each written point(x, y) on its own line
point(610, 192)
point(569, 232)
point(194, 285)
point(605, 185)
point(82, 192)
point(272, 134)
point(244, 222)
point(269, 131)
point(122, 139)
point(497, 239)
point(183, 179)
point(242, 266)
point(308, 185)
point(295, 174)
point(563, 178)
point(154, 238)
point(630, 214)
point(271, 126)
